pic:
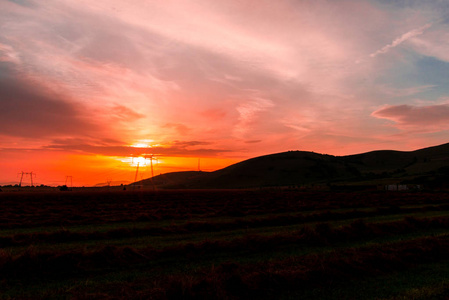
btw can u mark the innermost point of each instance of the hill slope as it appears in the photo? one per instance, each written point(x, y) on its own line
point(424, 166)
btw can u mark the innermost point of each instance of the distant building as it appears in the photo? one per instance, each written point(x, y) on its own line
point(402, 187)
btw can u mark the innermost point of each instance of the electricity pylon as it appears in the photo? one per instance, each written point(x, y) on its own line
point(27, 173)
point(137, 172)
point(71, 181)
point(152, 157)
point(21, 178)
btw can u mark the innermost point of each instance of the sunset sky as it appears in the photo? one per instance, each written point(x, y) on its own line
point(86, 85)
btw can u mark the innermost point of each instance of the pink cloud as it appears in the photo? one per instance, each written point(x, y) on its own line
point(432, 118)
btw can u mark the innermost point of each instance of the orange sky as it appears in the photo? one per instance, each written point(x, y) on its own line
point(87, 85)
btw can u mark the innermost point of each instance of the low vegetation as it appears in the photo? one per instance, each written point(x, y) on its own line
point(224, 245)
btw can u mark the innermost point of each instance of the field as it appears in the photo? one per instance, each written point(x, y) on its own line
point(224, 244)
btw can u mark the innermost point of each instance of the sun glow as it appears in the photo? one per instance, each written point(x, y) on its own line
point(141, 161)
point(134, 161)
point(142, 144)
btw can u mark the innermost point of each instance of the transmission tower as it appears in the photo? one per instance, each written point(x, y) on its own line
point(137, 172)
point(21, 178)
point(152, 157)
point(67, 178)
point(31, 174)
point(31, 177)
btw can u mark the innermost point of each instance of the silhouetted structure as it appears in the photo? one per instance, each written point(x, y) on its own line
point(31, 174)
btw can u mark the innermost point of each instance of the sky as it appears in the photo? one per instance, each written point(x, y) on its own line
point(94, 89)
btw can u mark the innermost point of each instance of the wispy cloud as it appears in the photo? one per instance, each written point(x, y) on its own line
point(406, 36)
point(404, 92)
point(248, 114)
point(180, 129)
point(435, 43)
point(176, 148)
point(7, 54)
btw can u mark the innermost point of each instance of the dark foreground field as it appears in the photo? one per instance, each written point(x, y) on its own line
point(224, 245)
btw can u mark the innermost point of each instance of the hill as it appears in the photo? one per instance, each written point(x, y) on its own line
point(428, 166)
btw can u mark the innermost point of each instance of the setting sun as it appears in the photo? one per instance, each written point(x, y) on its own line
point(138, 161)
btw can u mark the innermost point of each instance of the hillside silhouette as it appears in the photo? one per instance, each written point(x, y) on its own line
point(428, 166)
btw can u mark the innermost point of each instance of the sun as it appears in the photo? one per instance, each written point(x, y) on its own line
point(134, 161)
point(141, 161)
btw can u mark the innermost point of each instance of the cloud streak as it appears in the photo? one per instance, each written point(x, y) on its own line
point(431, 118)
point(177, 148)
point(406, 36)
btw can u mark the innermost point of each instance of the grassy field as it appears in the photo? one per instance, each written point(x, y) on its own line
point(226, 244)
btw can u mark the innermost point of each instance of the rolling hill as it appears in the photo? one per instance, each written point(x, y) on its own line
point(428, 166)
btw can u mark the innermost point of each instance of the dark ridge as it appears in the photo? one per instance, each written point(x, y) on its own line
point(428, 167)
